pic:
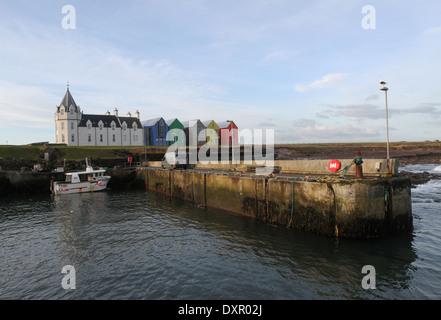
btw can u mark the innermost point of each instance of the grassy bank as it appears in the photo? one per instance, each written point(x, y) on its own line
point(74, 153)
point(403, 150)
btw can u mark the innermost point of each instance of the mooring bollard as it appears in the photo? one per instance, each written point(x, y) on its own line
point(358, 168)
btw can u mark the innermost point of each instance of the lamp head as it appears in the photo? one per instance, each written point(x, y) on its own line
point(384, 88)
point(382, 82)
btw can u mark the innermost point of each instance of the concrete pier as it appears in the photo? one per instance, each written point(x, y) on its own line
point(347, 208)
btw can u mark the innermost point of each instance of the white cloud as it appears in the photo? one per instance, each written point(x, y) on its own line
point(25, 106)
point(432, 31)
point(329, 80)
point(372, 97)
point(346, 132)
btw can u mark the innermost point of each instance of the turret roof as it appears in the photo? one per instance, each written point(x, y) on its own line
point(68, 100)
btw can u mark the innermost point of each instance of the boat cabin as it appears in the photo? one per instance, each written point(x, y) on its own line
point(77, 177)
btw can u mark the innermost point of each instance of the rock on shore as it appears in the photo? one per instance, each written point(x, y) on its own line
point(420, 177)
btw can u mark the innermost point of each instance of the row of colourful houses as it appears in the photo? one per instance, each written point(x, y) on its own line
point(75, 128)
point(192, 132)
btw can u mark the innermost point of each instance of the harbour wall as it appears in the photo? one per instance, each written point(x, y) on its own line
point(16, 182)
point(358, 208)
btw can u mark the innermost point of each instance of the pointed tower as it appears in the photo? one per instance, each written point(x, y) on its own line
point(67, 117)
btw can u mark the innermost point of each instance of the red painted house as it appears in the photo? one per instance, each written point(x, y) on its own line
point(228, 133)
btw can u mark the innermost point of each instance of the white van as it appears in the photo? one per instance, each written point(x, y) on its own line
point(174, 160)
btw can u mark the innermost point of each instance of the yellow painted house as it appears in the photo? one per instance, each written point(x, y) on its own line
point(212, 131)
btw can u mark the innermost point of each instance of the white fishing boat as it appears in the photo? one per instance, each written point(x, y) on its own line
point(90, 180)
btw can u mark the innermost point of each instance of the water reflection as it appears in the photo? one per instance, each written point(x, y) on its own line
point(141, 245)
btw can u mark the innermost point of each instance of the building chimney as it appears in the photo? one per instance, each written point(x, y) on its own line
point(115, 112)
point(129, 114)
point(137, 114)
point(108, 113)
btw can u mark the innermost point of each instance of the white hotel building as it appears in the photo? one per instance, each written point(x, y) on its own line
point(74, 128)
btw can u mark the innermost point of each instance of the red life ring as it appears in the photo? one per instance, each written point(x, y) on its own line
point(334, 165)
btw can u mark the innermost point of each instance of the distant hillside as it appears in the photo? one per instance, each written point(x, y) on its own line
point(406, 152)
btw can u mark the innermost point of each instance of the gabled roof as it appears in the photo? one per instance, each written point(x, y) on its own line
point(96, 118)
point(206, 123)
point(130, 121)
point(170, 121)
point(151, 122)
point(186, 124)
point(107, 121)
point(223, 125)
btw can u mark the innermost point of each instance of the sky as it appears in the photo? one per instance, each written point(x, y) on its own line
point(309, 70)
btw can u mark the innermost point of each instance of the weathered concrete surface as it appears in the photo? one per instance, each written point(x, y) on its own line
point(370, 166)
point(364, 208)
point(374, 207)
point(400, 201)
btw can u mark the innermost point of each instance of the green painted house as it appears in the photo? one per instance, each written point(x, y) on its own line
point(175, 136)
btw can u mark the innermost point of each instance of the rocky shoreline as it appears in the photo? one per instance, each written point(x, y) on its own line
point(420, 177)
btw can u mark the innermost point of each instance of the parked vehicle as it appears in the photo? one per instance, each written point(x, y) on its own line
point(174, 160)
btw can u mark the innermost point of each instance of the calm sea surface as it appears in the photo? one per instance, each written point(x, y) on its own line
point(140, 245)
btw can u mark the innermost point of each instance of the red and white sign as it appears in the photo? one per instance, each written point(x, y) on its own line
point(334, 165)
point(130, 159)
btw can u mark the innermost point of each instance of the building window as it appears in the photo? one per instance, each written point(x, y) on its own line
point(113, 126)
point(125, 138)
point(73, 138)
point(62, 126)
point(113, 138)
point(62, 138)
point(161, 128)
point(101, 138)
point(72, 126)
point(124, 127)
point(89, 125)
point(134, 127)
point(89, 138)
point(62, 111)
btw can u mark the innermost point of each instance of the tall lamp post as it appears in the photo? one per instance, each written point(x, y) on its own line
point(383, 88)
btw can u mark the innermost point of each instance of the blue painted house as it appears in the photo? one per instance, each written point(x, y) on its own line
point(155, 132)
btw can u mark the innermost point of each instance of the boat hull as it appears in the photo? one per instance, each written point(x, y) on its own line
point(81, 187)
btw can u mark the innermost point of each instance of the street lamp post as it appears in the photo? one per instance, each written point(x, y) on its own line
point(385, 89)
